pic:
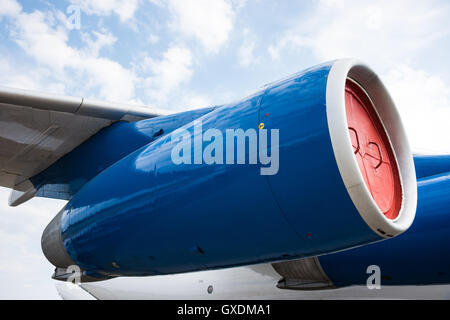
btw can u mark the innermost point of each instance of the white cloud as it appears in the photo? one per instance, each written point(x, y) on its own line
point(246, 54)
point(246, 51)
point(239, 4)
point(62, 68)
point(44, 40)
point(384, 31)
point(153, 39)
point(208, 21)
point(24, 271)
point(166, 74)
point(10, 8)
point(195, 101)
point(102, 40)
point(424, 104)
point(15, 75)
point(125, 9)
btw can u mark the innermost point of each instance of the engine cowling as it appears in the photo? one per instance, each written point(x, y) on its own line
point(417, 257)
point(345, 177)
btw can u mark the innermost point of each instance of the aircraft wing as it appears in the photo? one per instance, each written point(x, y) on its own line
point(37, 129)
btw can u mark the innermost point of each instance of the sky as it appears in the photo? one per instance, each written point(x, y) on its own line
point(179, 55)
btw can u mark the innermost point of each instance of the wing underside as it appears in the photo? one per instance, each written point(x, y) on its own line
point(38, 129)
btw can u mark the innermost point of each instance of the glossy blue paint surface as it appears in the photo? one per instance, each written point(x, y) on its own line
point(68, 175)
point(429, 165)
point(145, 215)
point(418, 256)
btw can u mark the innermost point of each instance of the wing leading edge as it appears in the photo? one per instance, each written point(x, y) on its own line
point(37, 129)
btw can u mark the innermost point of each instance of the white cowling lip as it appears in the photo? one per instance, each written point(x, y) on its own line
point(343, 150)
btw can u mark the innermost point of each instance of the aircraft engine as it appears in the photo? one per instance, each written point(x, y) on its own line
point(311, 164)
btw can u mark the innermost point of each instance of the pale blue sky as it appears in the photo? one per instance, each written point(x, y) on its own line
point(179, 54)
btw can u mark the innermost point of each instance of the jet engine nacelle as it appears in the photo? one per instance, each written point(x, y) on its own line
point(418, 257)
point(331, 169)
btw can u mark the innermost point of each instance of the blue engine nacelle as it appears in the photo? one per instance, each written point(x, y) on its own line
point(417, 257)
point(339, 143)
